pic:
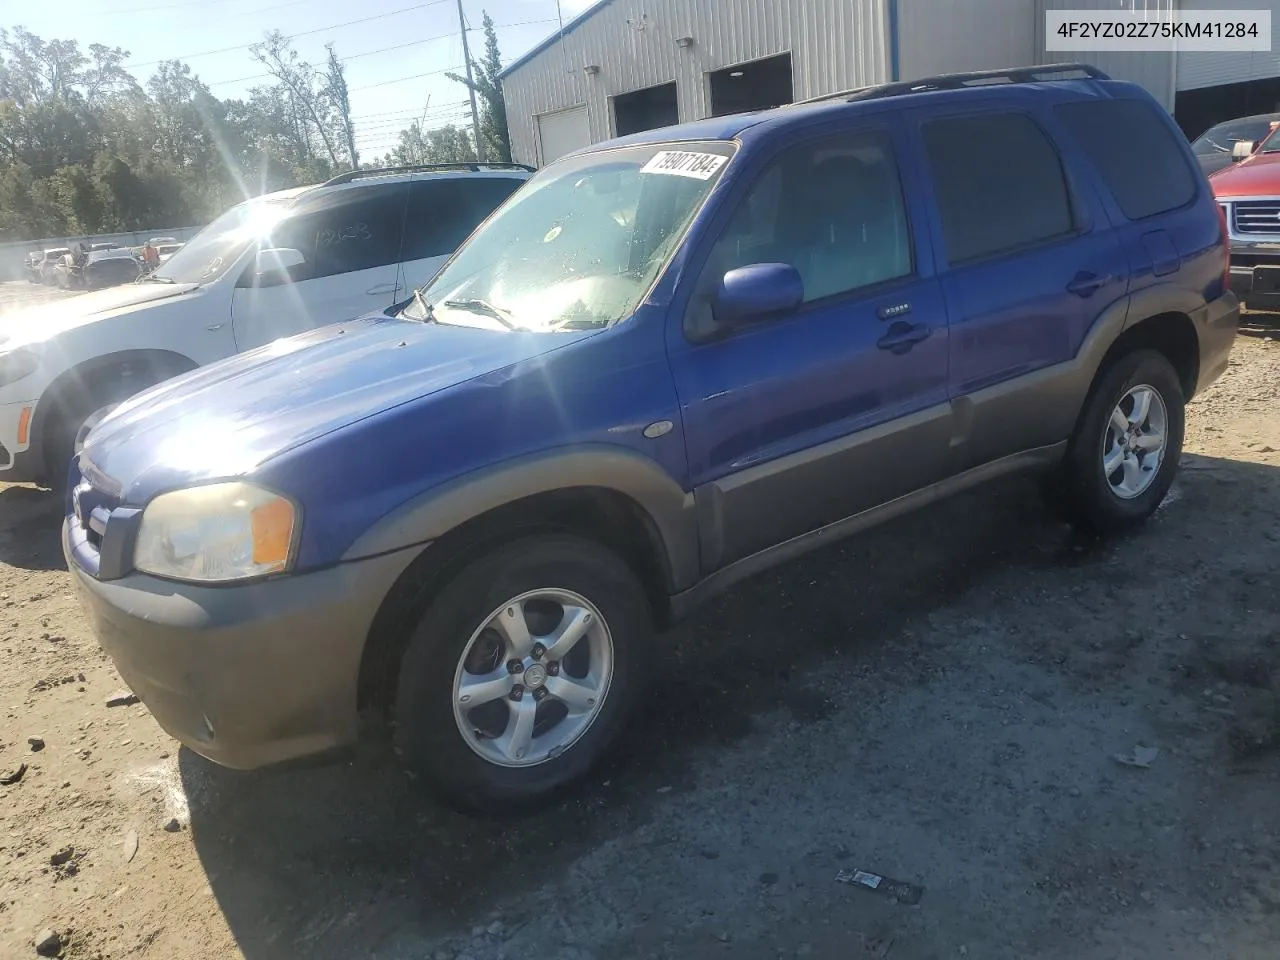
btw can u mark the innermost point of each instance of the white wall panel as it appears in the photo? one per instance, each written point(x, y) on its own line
point(834, 45)
point(1211, 68)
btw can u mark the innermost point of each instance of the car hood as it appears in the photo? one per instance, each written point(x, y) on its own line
point(37, 324)
point(1258, 176)
point(225, 419)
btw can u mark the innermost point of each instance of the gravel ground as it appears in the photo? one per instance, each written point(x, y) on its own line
point(939, 702)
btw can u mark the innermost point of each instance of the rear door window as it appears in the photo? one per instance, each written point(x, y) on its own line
point(443, 212)
point(1138, 155)
point(346, 230)
point(999, 184)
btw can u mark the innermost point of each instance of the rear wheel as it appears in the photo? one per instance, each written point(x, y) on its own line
point(1123, 457)
point(522, 672)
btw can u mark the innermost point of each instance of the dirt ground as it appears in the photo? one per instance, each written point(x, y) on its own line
point(938, 702)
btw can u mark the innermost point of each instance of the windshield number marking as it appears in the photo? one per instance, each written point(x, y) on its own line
point(683, 163)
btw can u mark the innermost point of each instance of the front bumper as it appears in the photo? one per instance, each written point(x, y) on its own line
point(245, 675)
point(1255, 273)
point(16, 462)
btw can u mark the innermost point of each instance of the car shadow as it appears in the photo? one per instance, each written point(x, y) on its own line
point(30, 528)
point(327, 858)
point(1261, 324)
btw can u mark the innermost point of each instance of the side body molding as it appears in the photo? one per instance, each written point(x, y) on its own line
point(431, 514)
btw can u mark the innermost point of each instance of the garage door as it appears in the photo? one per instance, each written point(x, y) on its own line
point(1213, 67)
point(563, 132)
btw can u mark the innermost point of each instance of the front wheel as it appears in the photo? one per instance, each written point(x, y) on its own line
point(522, 672)
point(1123, 457)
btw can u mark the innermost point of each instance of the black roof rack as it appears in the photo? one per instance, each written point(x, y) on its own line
point(351, 175)
point(980, 78)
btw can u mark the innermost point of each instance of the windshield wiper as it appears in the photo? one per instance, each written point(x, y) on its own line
point(428, 314)
point(152, 278)
point(485, 308)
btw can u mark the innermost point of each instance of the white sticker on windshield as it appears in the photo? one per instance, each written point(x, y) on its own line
point(682, 163)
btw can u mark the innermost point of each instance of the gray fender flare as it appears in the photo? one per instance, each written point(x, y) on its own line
point(435, 512)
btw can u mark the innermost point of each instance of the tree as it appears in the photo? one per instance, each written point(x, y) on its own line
point(447, 144)
point(86, 148)
point(336, 90)
point(488, 87)
point(312, 109)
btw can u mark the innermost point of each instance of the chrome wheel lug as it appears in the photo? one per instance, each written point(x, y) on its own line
point(515, 666)
point(517, 693)
point(537, 651)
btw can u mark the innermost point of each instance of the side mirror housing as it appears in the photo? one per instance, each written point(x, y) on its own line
point(761, 291)
point(276, 265)
point(1241, 149)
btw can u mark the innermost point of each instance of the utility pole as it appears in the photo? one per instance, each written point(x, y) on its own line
point(471, 89)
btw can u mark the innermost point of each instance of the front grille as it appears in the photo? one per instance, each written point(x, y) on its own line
point(1256, 216)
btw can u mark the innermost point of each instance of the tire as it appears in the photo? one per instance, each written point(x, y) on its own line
point(1083, 492)
point(73, 414)
point(456, 633)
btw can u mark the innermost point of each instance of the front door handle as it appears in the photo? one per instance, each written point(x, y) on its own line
point(1084, 284)
point(381, 289)
point(902, 336)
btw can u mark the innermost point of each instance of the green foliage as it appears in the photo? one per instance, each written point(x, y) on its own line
point(84, 148)
point(488, 87)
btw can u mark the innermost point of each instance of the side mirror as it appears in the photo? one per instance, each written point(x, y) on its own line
point(1241, 149)
point(275, 265)
point(761, 291)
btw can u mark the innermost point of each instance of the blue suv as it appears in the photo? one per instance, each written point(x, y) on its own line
point(666, 363)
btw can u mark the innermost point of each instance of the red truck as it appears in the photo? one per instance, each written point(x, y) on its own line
point(1249, 194)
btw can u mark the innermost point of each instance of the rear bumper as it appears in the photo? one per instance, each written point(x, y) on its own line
point(247, 675)
point(1216, 327)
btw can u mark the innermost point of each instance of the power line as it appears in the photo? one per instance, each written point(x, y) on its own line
point(292, 36)
point(416, 76)
point(370, 53)
point(185, 3)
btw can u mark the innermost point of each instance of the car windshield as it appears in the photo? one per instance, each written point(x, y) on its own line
point(1272, 143)
point(580, 244)
point(212, 251)
point(1220, 139)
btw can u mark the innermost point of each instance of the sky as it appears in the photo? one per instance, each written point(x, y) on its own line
point(389, 88)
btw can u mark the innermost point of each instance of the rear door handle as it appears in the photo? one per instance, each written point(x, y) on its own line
point(1084, 284)
point(381, 289)
point(902, 336)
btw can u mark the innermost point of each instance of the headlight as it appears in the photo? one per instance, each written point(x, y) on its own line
point(216, 533)
point(17, 364)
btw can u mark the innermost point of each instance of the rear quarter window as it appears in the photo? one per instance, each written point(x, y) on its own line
point(1136, 151)
point(443, 212)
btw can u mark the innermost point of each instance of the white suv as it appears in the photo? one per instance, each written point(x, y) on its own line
point(268, 268)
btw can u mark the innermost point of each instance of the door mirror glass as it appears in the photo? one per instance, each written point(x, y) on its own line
point(761, 291)
point(275, 265)
point(1241, 149)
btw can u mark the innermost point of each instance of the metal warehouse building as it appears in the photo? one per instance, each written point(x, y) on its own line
point(630, 65)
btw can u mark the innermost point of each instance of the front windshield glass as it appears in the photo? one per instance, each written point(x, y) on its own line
point(581, 243)
point(212, 251)
point(1272, 143)
point(1221, 138)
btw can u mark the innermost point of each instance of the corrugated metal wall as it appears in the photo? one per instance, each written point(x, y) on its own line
point(956, 36)
point(1152, 70)
point(1208, 69)
point(834, 45)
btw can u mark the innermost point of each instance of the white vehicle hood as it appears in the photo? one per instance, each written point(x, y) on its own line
point(37, 324)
